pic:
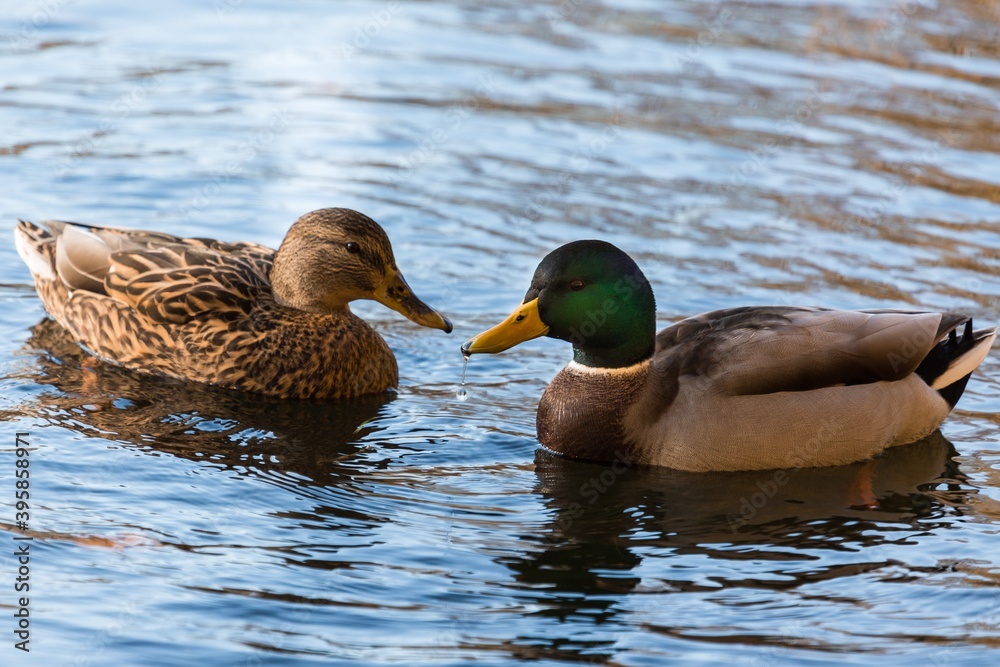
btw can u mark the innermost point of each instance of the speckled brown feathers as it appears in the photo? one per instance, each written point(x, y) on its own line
point(206, 310)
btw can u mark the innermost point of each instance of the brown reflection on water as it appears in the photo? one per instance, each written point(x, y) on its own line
point(197, 422)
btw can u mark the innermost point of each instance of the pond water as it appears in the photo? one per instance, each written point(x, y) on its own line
point(844, 154)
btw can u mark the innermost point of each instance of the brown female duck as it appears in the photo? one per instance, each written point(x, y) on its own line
point(237, 315)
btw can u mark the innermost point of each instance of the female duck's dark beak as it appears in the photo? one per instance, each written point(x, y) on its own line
point(396, 294)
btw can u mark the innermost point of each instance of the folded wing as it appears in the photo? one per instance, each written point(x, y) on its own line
point(761, 350)
point(166, 278)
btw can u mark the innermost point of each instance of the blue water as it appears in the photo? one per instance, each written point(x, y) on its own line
point(801, 152)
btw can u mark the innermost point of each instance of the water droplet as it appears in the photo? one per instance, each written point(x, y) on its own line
point(462, 394)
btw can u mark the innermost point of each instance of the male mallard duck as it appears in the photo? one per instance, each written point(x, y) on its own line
point(237, 315)
point(734, 389)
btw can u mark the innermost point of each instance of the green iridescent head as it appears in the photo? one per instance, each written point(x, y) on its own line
point(589, 293)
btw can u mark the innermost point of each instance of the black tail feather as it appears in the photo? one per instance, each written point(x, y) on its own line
point(936, 363)
point(954, 391)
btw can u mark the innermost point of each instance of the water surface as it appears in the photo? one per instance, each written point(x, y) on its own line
point(815, 153)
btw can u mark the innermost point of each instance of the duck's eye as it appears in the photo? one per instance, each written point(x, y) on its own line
point(353, 248)
point(576, 285)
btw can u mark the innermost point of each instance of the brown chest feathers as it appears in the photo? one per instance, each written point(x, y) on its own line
point(583, 411)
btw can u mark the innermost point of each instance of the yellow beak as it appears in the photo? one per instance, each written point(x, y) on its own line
point(396, 294)
point(523, 324)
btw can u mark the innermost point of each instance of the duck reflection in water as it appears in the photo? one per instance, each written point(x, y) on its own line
point(250, 433)
point(604, 518)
